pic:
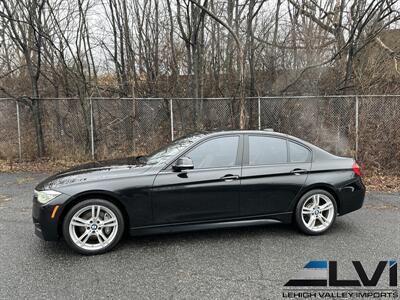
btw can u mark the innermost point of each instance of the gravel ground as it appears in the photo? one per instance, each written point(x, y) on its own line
point(246, 263)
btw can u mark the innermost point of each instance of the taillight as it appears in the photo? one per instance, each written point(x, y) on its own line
point(356, 169)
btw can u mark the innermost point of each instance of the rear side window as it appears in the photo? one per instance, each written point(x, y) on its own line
point(215, 153)
point(264, 150)
point(298, 153)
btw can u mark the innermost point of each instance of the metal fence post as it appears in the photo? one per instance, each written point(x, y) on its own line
point(259, 113)
point(91, 128)
point(357, 112)
point(19, 133)
point(133, 121)
point(171, 116)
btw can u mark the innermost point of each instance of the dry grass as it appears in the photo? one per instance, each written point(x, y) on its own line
point(376, 182)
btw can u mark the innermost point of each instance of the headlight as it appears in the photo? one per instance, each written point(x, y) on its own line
point(46, 196)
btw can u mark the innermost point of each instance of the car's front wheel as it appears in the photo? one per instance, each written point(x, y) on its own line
point(93, 226)
point(316, 212)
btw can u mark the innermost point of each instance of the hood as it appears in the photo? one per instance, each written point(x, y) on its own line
point(96, 171)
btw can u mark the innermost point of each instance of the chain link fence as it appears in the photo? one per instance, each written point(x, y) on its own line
point(366, 127)
point(327, 122)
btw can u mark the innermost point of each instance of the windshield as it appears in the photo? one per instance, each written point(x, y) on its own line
point(169, 151)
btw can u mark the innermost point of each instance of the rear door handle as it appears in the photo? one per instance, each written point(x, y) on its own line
point(230, 177)
point(298, 171)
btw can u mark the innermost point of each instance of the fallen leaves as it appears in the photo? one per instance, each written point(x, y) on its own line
point(43, 165)
point(381, 207)
point(4, 198)
point(382, 183)
point(24, 180)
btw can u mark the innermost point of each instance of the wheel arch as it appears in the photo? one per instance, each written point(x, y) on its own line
point(319, 186)
point(96, 194)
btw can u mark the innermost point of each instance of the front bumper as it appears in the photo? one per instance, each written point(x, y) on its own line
point(46, 227)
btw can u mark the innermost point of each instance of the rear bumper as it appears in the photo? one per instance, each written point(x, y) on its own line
point(45, 226)
point(351, 196)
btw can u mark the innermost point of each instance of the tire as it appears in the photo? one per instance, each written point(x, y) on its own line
point(93, 226)
point(315, 219)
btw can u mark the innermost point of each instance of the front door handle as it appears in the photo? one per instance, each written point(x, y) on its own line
point(230, 177)
point(298, 171)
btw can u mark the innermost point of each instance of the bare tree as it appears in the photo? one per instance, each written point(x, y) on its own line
point(243, 119)
point(24, 20)
point(190, 48)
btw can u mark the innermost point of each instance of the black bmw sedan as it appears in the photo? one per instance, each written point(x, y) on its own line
point(201, 181)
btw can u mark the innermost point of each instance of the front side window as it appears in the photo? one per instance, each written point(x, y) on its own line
point(298, 153)
point(215, 153)
point(264, 150)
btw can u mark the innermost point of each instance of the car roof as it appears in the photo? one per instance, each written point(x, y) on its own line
point(269, 132)
point(246, 131)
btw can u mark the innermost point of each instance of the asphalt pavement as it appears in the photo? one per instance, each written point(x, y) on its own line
point(245, 263)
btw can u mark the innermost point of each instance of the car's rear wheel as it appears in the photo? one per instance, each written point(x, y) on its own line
point(93, 226)
point(316, 212)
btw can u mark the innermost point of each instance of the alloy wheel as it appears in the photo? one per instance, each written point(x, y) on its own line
point(93, 227)
point(317, 212)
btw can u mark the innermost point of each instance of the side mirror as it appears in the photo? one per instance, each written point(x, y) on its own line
point(183, 163)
